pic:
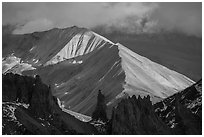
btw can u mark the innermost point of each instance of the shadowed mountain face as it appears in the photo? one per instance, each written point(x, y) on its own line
point(176, 51)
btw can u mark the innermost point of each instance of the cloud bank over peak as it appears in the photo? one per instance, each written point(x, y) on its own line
point(34, 25)
point(129, 17)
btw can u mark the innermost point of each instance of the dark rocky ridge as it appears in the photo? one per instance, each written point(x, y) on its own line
point(191, 98)
point(43, 115)
point(183, 107)
point(135, 116)
point(178, 114)
point(100, 110)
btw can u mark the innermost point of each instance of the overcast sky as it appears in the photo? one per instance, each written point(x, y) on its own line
point(133, 17)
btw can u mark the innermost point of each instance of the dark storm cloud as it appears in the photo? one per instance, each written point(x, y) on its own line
point(132, 17)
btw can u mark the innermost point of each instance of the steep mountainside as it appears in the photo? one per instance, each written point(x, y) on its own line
point(77, 63)
point(114, 70)
point(149, 78)
point(177, 51)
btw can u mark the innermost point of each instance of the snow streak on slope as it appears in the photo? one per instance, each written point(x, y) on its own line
point(80, 44)
point(146, 77)
point(79, 116)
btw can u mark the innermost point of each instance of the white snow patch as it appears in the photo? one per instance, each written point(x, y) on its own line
point(32, 48)
point(9, 110)
point(74, 62)
point(36, 61)
point(79, 116)
point(66, 93)
point(79, 62)
point(15, 65)
point(78, 46)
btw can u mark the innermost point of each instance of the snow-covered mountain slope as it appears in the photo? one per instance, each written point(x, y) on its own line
point(145, 77)
point(80, 44)
point(77, 63)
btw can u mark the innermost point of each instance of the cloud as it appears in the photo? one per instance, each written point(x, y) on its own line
point(130, 17)
point(35, 25)
point(184, 17)
point(68, 14)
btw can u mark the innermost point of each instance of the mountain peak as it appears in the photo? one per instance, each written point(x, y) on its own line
point(78, 62)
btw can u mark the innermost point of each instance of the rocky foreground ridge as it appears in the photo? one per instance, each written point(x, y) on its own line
point(177, 114)
point(29, 108)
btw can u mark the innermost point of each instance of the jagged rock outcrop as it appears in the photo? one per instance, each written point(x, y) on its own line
point(187, 123)
point(183, 111)
point(180, 113)
point(41, 115)
point(99, 116)
point(137, 116)
point(100, 110)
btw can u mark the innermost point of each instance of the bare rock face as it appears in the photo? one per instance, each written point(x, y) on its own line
point(183, 111)
point(100, 110)
point(180, 113)
point(137, 116)
point(187, 123)
point(30, 108)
